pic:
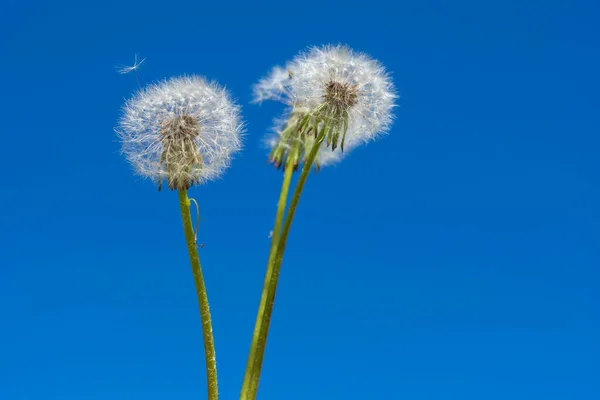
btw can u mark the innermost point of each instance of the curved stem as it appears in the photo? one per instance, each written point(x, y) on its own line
point(294, 203)
point(209, 343)
point(275, 267)
point(259, 336)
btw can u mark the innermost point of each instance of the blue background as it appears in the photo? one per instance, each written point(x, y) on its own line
point(456, 258)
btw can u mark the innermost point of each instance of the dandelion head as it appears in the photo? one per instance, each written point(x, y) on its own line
point(349, 92)
point(184, 130)
point(338, 97)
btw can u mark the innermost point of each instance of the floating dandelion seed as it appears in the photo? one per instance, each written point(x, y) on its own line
point(184, 130)
point(127, 69)
point(333, 90)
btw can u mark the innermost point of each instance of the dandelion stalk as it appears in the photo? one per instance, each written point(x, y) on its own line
point(207, 332)
point(261, 330)
point(294, 204)
point(265, 309)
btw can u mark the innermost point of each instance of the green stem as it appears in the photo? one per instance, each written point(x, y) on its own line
point(209, 343)
point(259, 337)
point(294, 203)
point(275, 267)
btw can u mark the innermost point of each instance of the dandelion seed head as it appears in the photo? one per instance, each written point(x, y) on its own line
point(348, 91)
point(184, 130)
point(348, 81)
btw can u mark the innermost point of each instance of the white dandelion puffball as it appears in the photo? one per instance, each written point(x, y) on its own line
point(184, 130)
point(350, 90)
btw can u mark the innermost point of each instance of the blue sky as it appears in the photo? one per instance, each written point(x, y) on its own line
point(456, 258)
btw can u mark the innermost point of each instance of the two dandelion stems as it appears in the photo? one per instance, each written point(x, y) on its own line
point(259, 337)
point(209, 343)
point(278, 243)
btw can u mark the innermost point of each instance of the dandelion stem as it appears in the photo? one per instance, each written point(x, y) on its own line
point(259, 337)
point(209, 344)
point(273, 269)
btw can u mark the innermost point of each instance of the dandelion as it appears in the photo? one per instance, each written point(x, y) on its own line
point(336, 100)
point(332, 91)
point(185, 131)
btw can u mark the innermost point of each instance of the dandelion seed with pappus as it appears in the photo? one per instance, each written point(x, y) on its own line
point(184, 131)
point(337, 99)
point(131, 68)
